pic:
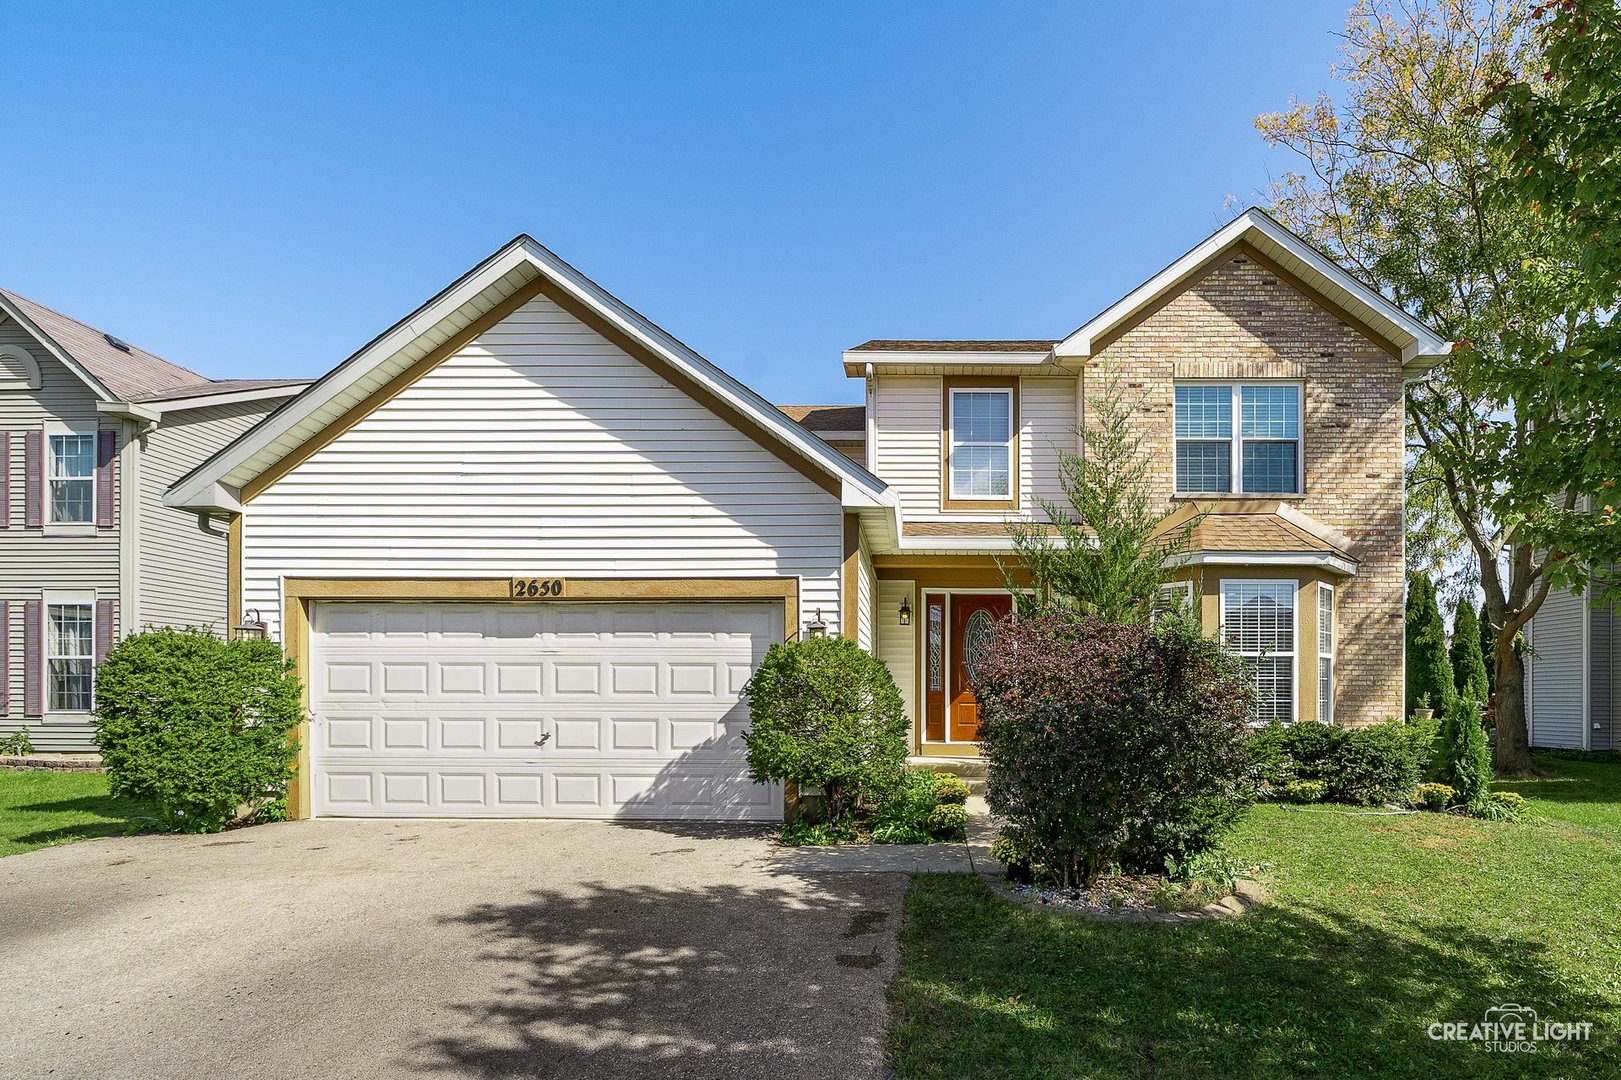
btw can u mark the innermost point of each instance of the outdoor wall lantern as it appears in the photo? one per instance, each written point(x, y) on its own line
point(906, 611)
point(252, 625)
point(816, 627)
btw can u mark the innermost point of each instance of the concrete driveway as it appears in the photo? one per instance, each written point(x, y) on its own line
point(479, 949)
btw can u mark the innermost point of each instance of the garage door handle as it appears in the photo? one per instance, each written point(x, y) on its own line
point(542, 740)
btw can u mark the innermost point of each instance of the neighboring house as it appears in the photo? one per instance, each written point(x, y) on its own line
point(1573, 672)
point(527, 548)
point(92, 432)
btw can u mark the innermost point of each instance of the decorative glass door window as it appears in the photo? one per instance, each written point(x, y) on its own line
point(1258, 622)
point(937, 634)
point(70, 658)
point(71, 478)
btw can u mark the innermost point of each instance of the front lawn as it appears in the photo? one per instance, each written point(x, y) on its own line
point(1377, 928)
point(42, 808)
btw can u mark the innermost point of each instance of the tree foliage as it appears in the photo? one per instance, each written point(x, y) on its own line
point(1401, 184)
point(826, 713)
point(1108, 549)
point(200, 726)
point(1429, 672)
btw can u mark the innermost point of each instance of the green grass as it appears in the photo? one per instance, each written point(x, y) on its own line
point(1377, 927)
point(42, 808)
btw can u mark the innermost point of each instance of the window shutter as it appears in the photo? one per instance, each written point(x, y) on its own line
point(34, 479)
point(106, 474)
point(5, 480)
point(104, 629)
point(5, 658)
point(33, 658)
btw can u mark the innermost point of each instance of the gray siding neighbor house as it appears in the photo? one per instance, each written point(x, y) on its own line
point(1573, 672)
point(92, 431)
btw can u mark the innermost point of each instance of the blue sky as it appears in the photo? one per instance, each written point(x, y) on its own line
point(257, 190)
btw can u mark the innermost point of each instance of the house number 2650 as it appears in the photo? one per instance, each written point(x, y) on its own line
point(536, 588)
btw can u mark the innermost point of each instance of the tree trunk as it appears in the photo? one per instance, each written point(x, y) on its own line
point(1513, 754)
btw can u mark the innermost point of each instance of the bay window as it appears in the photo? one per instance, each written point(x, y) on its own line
point(1258, 623)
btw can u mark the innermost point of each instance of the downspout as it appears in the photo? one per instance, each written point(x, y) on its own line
point(872, 421)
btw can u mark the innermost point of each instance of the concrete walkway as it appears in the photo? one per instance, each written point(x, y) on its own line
point(973, 856)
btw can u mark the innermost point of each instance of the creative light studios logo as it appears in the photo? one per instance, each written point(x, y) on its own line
point(1511, 1029)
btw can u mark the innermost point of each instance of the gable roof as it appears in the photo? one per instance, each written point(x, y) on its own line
point(518, 267)
point(113, 373)
point(1420, 347)
point(1025, 345)
point(122, 374)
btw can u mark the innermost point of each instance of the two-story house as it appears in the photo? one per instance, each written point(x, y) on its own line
point(527, 547)
point(92, 432)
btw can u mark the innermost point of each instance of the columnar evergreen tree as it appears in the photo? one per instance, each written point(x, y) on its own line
point(1108, 556)
point(1429, 673)
point(1468, 662)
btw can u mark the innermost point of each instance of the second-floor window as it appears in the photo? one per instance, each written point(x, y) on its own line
point(71, 479)
point(981, 464)
point(1248, 433)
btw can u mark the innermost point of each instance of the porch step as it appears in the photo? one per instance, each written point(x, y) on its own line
point(972, 770)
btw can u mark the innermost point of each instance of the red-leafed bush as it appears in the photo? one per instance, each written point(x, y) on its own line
point(1113, 744)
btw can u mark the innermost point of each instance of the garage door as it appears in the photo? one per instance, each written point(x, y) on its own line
point(545, 709)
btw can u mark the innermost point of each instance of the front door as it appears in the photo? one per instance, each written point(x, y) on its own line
point(973, 622)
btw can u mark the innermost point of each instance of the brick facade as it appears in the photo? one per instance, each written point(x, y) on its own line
point(1245, 320)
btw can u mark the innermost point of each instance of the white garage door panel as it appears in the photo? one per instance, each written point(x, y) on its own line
point(545, 709)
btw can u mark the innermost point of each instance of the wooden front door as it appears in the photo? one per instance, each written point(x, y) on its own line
point(973, 622)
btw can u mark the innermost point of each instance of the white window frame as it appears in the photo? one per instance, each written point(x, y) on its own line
point(47, 475)
point(55, 599)
point(1294, 620)
point(1167, 600)
point(1236, 441)
point(953, 444)
point(1325, 658)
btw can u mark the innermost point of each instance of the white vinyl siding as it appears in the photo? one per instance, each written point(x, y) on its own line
point(1557, 697)
point(1258, 620)
point(866, 599)
point(906, 451)
point(897, 644)
point(542, 448)
point(1047, 425)
point(182, 579)
point(32, 562)
point(907, 442)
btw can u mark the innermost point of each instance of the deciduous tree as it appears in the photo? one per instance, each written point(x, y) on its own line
point(1401, 184)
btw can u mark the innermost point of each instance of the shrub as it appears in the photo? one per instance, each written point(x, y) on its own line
point(902, 816)
point(1112, 743)
point(1269, 756)
point(1303, 791)
point(1499, 806)
point(1429, 671)
point(947, 820)
point(949, 788)
point(1434, 796)
point(18, 743)
point(816, 833)
point(1012, 850)
point(1376, 764)
point(896, 832)
point(200, 726)
point(826, 714)
point(1465, 760)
